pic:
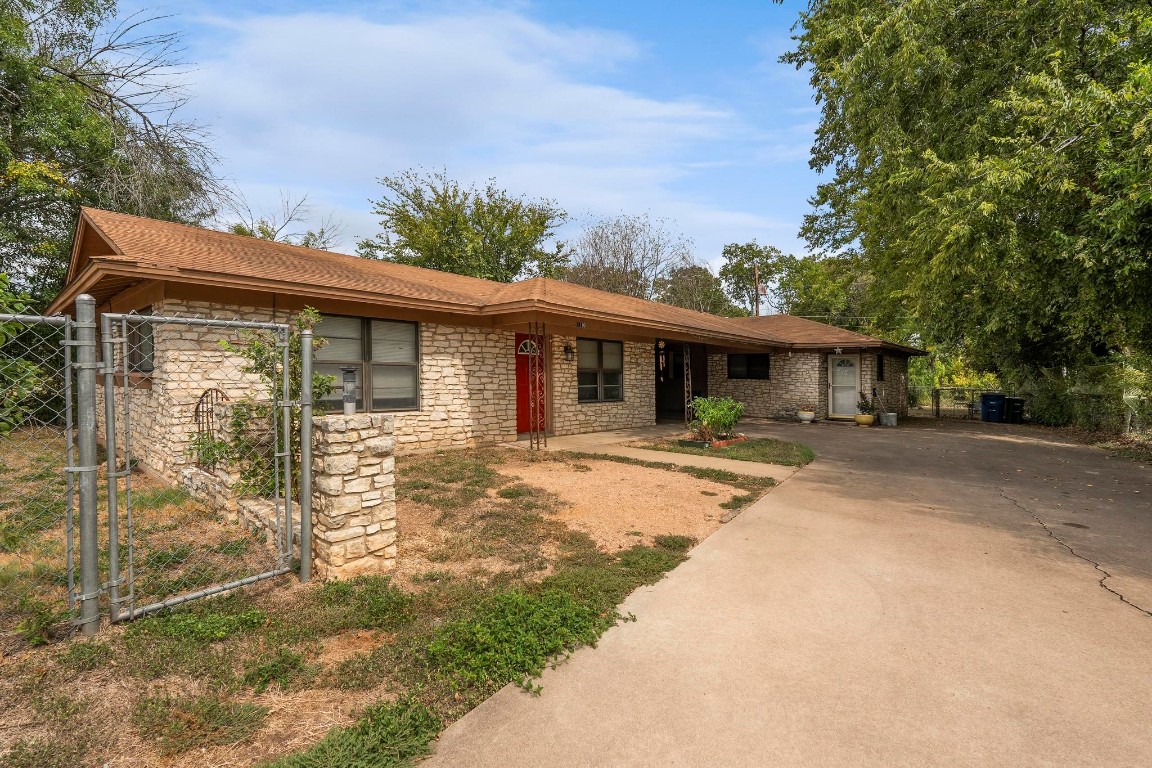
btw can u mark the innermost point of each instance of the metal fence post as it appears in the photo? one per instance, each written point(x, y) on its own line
point(86, 443)
point(108, 355)
point(306, 454)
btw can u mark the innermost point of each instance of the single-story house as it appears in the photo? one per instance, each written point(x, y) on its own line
point(457, 359)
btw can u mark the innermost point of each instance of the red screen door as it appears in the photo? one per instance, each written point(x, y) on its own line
point(526, 348)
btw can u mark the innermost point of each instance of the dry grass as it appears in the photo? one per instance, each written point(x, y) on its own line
point(473, 525)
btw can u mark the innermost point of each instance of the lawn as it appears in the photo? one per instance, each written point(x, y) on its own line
point(285, 675)
point(765, 450)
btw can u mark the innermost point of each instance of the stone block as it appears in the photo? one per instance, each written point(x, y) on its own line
point(380, 541)
point(380, 446)
point(342, 464)
point(359, 485)
point(327, 484)
point(343, 534)
point(355, 548)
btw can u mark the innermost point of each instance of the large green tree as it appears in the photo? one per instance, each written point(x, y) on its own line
point(88, 116)
point(830, 290)
point(695, 287)
point(744, 263)
point(432, 221)
point(990, 163)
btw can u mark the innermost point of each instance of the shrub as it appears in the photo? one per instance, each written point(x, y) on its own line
point(716, 416)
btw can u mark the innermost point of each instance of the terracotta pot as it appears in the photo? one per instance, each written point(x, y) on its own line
point(806, 417)
point(864, 419)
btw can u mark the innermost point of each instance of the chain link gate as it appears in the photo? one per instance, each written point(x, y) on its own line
point(218, 426)
point(193, 492)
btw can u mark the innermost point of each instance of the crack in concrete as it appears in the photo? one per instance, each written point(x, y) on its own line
point(1076, 554)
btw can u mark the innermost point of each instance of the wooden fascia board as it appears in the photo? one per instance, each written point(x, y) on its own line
point(861, 346)
point(294, 301)
point(84, 224)
point(564, 315)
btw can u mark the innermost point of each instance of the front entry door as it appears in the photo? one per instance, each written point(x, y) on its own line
point(527, 347)
point(843, 384)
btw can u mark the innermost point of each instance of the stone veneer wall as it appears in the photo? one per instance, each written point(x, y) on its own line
point(467, 389)
point(638, 408)
point(794, 381)
point(216, 489)
point(187, 360)
point(467, 386)
point(802, 379)
point(354, 498)
point(894, 389)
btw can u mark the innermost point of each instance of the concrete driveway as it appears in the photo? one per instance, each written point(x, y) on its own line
point(932, 595)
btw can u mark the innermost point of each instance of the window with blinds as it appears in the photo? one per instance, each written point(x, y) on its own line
point(385, 354)
point(599, 370)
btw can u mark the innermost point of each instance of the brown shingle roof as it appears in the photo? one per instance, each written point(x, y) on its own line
point(169, 246)
point(800, 331)
point(177, 252)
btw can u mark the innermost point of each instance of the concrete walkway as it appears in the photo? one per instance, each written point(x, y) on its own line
point(615, 443)
point(917, 597)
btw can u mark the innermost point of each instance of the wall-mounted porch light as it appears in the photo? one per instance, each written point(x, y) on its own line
point(569, 352)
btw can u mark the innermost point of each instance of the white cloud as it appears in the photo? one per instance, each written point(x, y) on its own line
point(325, 103)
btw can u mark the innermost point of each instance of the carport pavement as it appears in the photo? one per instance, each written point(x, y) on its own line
point(900, 602)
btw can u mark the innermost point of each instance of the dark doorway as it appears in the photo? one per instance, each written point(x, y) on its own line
point(670, 376)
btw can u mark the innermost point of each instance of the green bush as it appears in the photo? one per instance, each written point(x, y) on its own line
point(716, 416)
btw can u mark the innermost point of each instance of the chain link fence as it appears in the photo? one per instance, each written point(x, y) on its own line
point(161, 470)
point(37, 491)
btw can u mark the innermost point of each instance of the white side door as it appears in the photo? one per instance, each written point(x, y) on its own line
point(843, 384)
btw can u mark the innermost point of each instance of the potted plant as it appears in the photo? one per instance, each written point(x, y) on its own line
point(866, 411)
point(807, 413)
point(716, 418)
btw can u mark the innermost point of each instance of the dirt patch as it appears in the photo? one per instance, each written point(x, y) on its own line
point(621, 505)
point(340, 647)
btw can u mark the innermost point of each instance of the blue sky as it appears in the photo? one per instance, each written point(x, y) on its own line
point(679, 110)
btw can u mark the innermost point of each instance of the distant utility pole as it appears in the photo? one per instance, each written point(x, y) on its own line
point(756, 285)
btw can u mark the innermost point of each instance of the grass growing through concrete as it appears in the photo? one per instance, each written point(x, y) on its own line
point(765, 450)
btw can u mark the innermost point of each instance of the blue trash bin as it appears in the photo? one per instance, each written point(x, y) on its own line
point(992, 407)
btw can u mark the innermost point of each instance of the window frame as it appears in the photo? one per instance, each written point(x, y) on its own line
point(364, 403)
point(747, 371)
point(600, 371)
point(138, 362)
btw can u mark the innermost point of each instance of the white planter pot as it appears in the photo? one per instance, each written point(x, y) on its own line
point(806, 417)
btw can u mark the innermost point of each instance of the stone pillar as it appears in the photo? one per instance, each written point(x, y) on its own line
point(354, 501)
